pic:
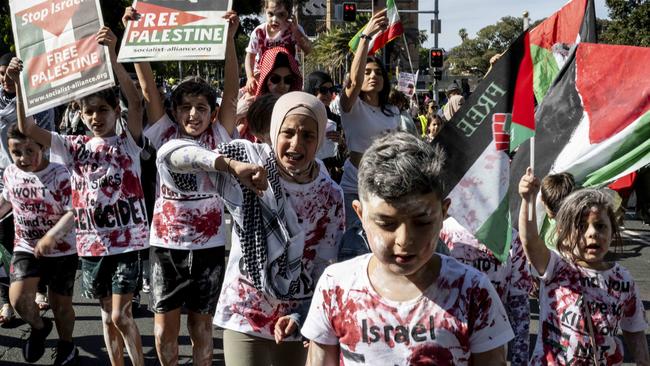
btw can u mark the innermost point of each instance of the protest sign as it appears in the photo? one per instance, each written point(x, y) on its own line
point(407, 82)
point(62, 60)
point(170, 30)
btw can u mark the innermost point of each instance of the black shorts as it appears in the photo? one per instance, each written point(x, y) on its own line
point(56, 272)
point(186, 277)
point(112, 274)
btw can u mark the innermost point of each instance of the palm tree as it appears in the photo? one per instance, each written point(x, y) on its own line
point(462, 33)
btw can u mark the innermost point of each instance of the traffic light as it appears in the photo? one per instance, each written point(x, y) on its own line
point(349, 11)
point(436, 57)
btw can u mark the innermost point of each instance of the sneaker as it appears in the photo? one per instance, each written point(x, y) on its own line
point(66, 354)
point(34, 347)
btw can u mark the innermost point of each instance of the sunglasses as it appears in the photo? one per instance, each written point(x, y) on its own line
point(288, 80)
point(325, 90)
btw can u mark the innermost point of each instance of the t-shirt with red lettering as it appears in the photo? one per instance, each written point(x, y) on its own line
point(456, 316)
point(320, 210)
point(107, 196)
point(260, 41)
point(39, 200)
point(193, 220)
point(567, 294)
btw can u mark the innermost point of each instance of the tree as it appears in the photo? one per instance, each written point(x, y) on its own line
point(473, 55)
point(630, 23)
point(462, 33)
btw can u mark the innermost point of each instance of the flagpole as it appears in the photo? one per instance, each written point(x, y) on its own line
point(531, 204)
point(408, 53)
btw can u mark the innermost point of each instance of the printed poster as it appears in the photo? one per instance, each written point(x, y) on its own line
point(407, 83)
point(61, 58)
point(170, 30)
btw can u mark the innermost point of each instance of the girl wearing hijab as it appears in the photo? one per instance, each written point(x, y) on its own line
point(288, 216)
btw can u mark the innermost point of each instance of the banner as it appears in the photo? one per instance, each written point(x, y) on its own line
point(407, 82)
point(62, 60)
point(171, 30)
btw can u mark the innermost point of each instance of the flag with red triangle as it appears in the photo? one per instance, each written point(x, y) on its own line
point(170, 30)
point(379, 40)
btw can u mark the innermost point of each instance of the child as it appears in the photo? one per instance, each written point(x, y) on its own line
point(188, 232)
point(583, 299)
point(403, 304)
point(39, 193)
point(554, 189)
point(108, 202)
point(282, 241)
point(510, 278)
point(280, 29)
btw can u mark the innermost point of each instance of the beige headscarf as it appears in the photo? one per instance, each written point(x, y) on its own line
point(298, 103)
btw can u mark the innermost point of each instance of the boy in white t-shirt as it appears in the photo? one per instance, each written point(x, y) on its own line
point(39, 193)
point(403, 304)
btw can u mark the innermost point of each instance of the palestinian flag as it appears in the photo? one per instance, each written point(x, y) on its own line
point(394, 30)
point(594, 122)
point(549, 45)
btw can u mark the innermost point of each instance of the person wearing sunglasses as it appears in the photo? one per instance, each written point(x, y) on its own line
point(279, 73)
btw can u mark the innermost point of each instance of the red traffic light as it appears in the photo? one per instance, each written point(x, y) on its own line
point(349, 12)
point(436, 57)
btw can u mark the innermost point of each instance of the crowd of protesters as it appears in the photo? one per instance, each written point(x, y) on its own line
point(342, 249)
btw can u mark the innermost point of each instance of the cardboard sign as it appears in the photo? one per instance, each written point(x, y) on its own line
point(170, 30)
point(62, 60)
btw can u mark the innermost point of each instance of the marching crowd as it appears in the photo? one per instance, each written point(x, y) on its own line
point(342, 250)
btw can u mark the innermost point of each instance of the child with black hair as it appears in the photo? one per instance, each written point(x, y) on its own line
point(404, 304)
point(39, 194)
point(107, 198)
point(583, 299)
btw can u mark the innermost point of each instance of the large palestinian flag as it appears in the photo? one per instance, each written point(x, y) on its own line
point(594, 122)
point(549, 45)
point(475, 140)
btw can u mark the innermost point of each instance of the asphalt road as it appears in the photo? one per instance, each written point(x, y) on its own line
point(634, 255)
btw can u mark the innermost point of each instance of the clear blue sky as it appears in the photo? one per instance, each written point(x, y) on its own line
point(476, 14)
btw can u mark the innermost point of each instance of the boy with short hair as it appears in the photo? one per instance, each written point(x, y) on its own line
point(403, 304)
point(44, 247)
point(554, 188)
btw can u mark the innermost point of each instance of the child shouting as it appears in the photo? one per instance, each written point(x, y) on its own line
point(583, 299)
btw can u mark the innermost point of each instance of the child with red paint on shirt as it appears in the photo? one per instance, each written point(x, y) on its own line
point(38, 192)
point(188, 231)
point(403, 304)
point(107, 200)
point(281, 29)
point(583, 299)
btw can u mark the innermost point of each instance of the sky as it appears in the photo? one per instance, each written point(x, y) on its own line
point(476, 14)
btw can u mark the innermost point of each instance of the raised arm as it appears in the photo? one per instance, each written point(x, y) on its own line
point(228, 108)
point(154, 105)
point(26, 125)
point(536, 251)
point(106, 37)
point(301, 38)
point(349, 96)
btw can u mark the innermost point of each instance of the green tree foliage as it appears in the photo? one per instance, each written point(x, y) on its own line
point(629, 24)
point(473, 55)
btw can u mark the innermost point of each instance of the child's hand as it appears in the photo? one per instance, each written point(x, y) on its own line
point(251, 85)
point(130, 14)
point(233, 22)
point(14, 69)
point(285, 327)
point(528, 186)
point(252, 176)
point(106, 37)
point(44, 246)
point(292, 23)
